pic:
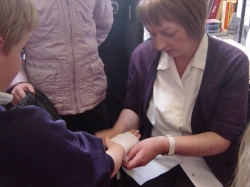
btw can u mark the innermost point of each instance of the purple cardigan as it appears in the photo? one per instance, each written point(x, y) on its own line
point(36, 151)
point(221, 103)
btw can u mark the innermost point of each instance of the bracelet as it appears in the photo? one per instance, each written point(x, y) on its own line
point(171, 145)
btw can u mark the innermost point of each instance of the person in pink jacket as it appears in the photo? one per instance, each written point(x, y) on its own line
point(62, 61)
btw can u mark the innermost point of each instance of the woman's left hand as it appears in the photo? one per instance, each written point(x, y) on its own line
point(203, 144)
point(145, 151)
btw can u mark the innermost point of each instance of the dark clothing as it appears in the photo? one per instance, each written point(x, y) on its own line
point(90, 121)
point(116, 37)
point(37, 151)
point(126, 33)
point(41, 100)
point(175, 177)
point(221, 103)
point(112, 70)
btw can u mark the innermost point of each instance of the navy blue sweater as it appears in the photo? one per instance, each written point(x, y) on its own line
point(37, 151)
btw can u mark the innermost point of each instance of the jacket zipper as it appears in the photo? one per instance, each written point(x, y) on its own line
point(73, 60)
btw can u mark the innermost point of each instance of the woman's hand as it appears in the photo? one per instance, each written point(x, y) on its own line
point(204, 144)
point(127, 121)
point(145, 151)
point(107, 133)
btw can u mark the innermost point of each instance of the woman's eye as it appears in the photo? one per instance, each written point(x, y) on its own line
point(167, 34)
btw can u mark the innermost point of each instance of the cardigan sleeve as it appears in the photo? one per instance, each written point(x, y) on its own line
point(230, 114)
point(221, 104)
point(139, 66)
point(132, 96)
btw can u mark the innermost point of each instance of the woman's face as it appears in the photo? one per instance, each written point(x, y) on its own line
point(172, 38)
point(10, 64)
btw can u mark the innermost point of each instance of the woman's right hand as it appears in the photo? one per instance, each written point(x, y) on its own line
point(107, 133)
point(127, 121)
point(19, 92)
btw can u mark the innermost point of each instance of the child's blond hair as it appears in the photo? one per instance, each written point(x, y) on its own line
point(17, 17)
point(242, 173)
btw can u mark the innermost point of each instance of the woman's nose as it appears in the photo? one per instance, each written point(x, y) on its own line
point(159, 43)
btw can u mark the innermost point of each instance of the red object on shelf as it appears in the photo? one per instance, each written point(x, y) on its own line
point(214, 9)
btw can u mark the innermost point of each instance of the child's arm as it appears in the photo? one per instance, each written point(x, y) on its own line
point(117, 152)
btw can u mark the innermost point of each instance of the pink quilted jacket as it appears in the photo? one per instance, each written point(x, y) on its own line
point(62, 54)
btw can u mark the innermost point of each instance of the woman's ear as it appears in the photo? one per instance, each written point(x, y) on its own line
point(1, 43)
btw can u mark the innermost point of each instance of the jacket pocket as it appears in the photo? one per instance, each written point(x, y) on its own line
point(99, 80)
point(42, 79)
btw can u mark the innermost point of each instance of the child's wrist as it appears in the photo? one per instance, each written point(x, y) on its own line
point(127, 140)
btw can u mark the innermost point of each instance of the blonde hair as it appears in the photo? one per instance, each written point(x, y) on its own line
point(17, 17)
point(242, 172)
point(192, 14)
